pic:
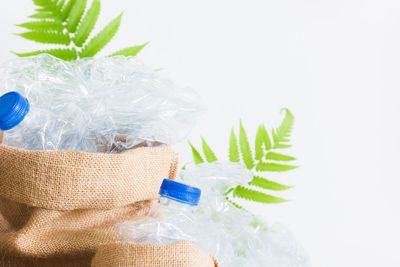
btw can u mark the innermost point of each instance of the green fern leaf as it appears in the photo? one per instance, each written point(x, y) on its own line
point(42, 25)
point(266, 139)
point(278, 157)
point(245, 148)
point(87, 24)
point(267, 184)
point(75, 15)
point(259, 142)
point(42, 15)
point(196, 155)
point(274, 167)
point(282, 133)
point(47, 37)
point(66, 9)
point(256, 196)
point(208, 153)
point(65, 54)
point(130, 51)
point(102, 38)
point(233, 148)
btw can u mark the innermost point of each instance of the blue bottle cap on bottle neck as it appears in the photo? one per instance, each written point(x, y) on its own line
point(13, 109)
point(180, 192)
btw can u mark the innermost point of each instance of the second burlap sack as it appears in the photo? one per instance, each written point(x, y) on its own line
point(58, 207)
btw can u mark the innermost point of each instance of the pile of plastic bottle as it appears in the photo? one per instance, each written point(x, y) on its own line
point(96, 105)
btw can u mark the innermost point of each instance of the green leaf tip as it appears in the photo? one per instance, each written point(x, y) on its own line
point(130, 51)
point(208, 153)
point(282, 133)
point(233, 148)
point(196, 155)
point(245, 148)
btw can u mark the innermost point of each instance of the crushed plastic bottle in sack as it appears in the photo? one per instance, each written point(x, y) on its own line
point(97, 104)
point(234, 236)
point(170, 220)
point(13, 109)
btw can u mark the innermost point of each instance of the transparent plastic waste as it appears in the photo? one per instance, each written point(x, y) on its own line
point(97, 104)
point(235, 236)
point(170, 220)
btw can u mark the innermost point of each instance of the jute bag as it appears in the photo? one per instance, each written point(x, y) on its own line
point(58, 207)
point(180, 254)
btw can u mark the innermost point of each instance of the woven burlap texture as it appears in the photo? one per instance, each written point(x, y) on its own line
point(58, 207)
point(180, 254)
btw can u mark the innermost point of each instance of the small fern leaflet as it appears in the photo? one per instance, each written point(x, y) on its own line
point(245, 148)
point(196, 155)
point(208, 153)
point(129, 51)
point(267, 184)
point(65, 54)
point(47, 37)
point(75, 15)
point(278, 157)
point(86, 26)
point(273, 167)
point(102, 38)
point(257, 196)
point(233, 148)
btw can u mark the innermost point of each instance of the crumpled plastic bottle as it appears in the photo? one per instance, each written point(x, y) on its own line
point(170, 220)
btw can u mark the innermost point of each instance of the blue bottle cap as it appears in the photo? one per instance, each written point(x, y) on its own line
point(180, 192)
point(13, 109)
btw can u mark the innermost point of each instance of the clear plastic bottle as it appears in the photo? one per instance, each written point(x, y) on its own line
point(13, 109)
point(170, 220)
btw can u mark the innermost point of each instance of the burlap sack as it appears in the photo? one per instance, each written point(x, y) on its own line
point(57, 208)
point(180, 254)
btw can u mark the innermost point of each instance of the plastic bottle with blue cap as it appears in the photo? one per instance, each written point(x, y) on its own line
point(170, 220)
point(13, 109)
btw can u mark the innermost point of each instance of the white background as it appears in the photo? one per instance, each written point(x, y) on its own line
point(335, 64)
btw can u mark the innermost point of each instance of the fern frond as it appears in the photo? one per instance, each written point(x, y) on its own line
point(66, 9)
point(245, 148)
point(273, 167)
point(129, 51)
point(256, 196)
point(278, 157)
point(233, 148)
point(282, 133)
point(47, 37)
point(262, 138)
point(87, 24)
point(196, 155)
point(267, 184)
point(65, 54)
point(42, 25)
point(42, 15)
point(208, 153)
point(76, 14)
point(102, 38)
